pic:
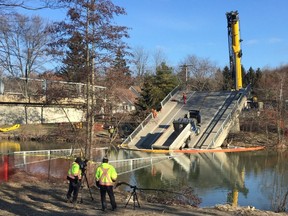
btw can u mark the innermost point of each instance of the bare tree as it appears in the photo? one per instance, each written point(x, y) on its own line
point(27, 4)
point(273, 91)
point(23, 41)
point(101, 40)
point(140, 60)
point(22, 44)
point(200, 72)
point(159, 57)
point(218, 80)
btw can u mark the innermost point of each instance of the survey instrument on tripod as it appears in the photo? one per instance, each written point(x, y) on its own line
point(134, 192)
point(83, 167)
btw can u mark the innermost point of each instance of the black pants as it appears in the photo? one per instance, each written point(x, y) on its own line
point(73, 188)
point(109, 190)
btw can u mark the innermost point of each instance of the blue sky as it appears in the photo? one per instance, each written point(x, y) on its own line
point(199, 27)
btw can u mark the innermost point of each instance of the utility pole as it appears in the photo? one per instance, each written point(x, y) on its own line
point(186, 74)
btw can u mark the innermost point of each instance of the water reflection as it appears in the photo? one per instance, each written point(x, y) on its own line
point(257, 178)
point(38, 160)
point(33, 146)
point(4, 168)
point(6, 165)
point(7, 147)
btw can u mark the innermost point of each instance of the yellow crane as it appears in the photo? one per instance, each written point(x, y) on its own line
point(235, 52)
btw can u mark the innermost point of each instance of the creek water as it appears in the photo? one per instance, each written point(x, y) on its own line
point(257, 178)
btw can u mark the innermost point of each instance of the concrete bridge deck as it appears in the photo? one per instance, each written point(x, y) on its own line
point(219, 111)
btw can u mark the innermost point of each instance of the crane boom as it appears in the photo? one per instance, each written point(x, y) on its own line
point(235, 52)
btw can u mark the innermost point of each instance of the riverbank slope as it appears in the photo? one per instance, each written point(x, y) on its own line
point(30, 195)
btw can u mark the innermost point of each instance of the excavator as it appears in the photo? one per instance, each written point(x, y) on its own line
point(235, 52)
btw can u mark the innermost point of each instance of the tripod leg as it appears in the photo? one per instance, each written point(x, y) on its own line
point(81, 187)
point(136, 198)
point(88, 186)
point(129, 199)
point(80, 191)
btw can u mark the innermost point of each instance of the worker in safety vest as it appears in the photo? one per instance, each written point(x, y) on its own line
point(74, 177)
point(184, 96)
point(111, 131)
point(105, 177)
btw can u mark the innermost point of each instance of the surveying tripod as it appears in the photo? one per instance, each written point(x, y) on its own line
point(135, 197)
point(84, 178)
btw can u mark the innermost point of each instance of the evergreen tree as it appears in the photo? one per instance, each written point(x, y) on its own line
point(120, 64)
point(155, 89)
point(258, 77)
point(243, 76)
point(145, 102)
point(119, 75)
point(250, 77)
point(73, 68)
point(165, 82)
point(228, 82)
point(253, 77)
point(87, 34)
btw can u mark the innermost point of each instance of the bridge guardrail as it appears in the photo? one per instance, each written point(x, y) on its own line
point(149, 117)
point(230, 116)
point(169, 96)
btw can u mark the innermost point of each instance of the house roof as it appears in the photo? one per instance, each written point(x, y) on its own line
point(135, 90)
point(128, 96)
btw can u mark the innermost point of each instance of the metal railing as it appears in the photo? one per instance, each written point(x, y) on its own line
point(55, 152)
point(43, 87)
point(122, 166)
point(149, 117)
point(202, 142)
point(130, 165)
point(138, 129)
point(231, 115)
point(44, 155)
point(169, 96)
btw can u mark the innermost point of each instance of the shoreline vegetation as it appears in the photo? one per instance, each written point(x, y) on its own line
point(64, 133)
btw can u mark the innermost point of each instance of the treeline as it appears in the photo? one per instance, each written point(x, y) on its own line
point(272, 119)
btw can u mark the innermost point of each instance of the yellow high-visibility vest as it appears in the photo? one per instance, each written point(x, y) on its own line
point(106, 174)
point(74, 171)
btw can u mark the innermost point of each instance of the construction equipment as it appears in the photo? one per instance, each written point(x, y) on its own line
point(195, 114)
point(235, 52)
point(183, 127)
